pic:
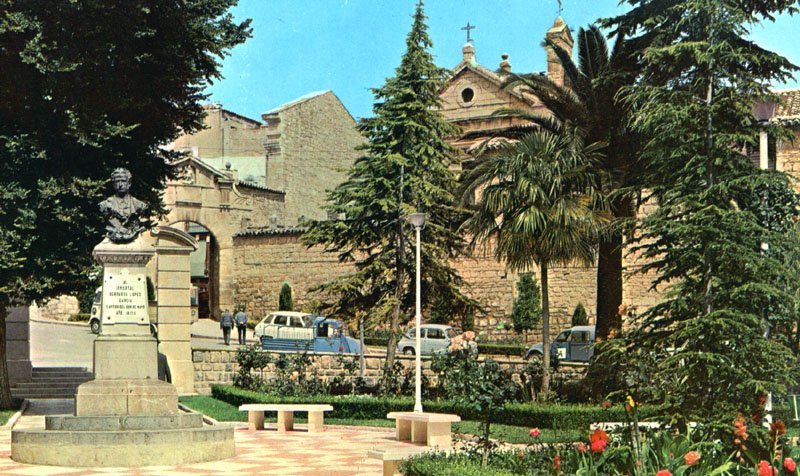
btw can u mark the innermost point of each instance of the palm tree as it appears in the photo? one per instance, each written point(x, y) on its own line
point(538, 206)
point(588, 100)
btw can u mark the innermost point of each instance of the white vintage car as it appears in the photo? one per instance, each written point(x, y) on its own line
point(286, 325)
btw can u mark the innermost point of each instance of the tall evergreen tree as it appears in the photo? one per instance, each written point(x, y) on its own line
point(589, 100)
point(527, 310)
point(405, 169)
point(87, 87)
point(701, 79)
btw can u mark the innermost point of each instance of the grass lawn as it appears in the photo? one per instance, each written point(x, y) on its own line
point(5, 415)
point(222, 411)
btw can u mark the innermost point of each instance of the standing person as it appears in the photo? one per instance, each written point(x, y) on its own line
point(241, 325)
point(226, 324)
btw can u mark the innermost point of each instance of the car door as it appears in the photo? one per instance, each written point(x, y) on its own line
point(561, 345)
point(580, 346)
point(436, 340)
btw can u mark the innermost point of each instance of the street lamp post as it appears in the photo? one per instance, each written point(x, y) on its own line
point(418, 221)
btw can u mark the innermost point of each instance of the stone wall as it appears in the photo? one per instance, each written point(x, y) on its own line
point(213, 366)
point(788, 158)
point(264, 262)
point(56, 309)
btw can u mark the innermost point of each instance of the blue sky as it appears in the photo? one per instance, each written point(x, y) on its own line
point(350, 46)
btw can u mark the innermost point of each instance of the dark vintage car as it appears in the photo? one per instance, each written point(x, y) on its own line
point(571, 345)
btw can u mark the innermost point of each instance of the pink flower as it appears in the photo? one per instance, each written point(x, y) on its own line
point(535, 433)
point(582, 447)
point(664, 472)
point(764, 469)
point(790, 465)
point(469, 335)
point(691, 458)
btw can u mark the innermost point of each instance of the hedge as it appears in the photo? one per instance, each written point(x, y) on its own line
point(443, 465)
point(555, 416)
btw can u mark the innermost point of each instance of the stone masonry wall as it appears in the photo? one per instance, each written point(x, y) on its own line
point(264, 262)
point(213, 366)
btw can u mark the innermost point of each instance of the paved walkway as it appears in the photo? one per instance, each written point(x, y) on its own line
point(339, 451)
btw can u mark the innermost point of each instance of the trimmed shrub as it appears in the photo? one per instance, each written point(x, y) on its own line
point(285, 298)
point(527, 310)
point(555, 416)
point(437, 464)
point(579, 316)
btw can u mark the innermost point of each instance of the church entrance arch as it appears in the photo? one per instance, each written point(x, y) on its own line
point(204, 268)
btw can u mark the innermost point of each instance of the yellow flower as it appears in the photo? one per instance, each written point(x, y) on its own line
point(630, 404)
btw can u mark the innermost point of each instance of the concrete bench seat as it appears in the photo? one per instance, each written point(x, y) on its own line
point(392, 457)
point(255, 415)
point(430, 429)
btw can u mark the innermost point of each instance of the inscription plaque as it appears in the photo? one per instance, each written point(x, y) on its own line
point(124, 297)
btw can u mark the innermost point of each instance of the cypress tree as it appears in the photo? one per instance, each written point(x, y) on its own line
point(285, 298)
point(579, 317)
point(527, 310)
point(694, 103)
point(405, 169)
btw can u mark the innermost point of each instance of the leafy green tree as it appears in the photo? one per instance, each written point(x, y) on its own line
point(405, 169)
point(579, 316)
point(589, 101)
point(538, 208)
point(87, 87)
point(285, 298)
point(527, 310)
point(694, 102)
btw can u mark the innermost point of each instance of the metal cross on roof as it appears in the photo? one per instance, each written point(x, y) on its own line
point(468, 28)
point(560, 8)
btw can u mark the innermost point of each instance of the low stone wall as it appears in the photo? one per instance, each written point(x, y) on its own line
point(214, 366)
point(56, 309)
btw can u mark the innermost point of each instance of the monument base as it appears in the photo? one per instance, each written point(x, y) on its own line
point(126, 397)
point(125, 357)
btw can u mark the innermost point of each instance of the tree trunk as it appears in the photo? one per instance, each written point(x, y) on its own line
point(362, 367)
point(545, 392)
point(5, 386)
point(609, 285)
point(485, 449)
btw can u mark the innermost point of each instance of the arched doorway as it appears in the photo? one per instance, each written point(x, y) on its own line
point(204, 269)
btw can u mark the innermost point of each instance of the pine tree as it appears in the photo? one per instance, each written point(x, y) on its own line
point(405, 169)
point(702, 77)
point(527, 310)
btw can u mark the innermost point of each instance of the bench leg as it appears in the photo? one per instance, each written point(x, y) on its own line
point(439, 434)
point(255, 420)
point(315, 422)
point(419, 432)
point(390, 468)
point(403, 430)
point(285, 421)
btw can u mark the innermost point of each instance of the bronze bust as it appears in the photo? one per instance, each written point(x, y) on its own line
point(125, 215)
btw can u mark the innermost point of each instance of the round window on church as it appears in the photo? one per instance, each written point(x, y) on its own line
point(467, 95)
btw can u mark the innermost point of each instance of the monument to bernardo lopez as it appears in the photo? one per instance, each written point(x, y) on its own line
point(126, 416)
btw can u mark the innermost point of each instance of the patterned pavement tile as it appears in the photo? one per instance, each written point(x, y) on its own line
point(338, 451)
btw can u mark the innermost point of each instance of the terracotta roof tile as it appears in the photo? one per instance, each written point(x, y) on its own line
point(789, 106)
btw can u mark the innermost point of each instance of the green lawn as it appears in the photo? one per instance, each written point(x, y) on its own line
point(222, 411)
point(5, 415)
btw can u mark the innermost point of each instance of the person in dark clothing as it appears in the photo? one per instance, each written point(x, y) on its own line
point(241, 325)
point(226, 324)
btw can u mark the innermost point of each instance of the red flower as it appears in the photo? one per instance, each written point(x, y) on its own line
point(557, 462)
point(691, 458)
point(764, 469)
point(790, 465)
point(664, 472)
point(606, 404)
point(581, 448)
point(535, 433)
point(777, 429)
point(599, 441)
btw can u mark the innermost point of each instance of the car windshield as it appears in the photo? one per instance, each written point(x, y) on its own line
point(563, 336)
point(412, 333)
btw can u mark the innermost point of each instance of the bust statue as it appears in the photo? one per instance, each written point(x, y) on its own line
point(125, 215)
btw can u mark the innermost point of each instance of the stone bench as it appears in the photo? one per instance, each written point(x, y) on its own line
point(255, 415)
point(392, 457)
point(430, 429)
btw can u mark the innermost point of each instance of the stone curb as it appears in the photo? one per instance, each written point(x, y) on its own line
point(60, 323)
point(15, 417)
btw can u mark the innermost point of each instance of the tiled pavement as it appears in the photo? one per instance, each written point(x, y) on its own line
point(339, 451)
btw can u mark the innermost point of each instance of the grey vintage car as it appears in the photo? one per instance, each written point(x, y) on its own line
point(571, 345)
point(434, 338)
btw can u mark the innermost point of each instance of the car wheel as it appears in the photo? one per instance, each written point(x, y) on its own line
point(408, 351)
point(533, 356)
point(94, 325)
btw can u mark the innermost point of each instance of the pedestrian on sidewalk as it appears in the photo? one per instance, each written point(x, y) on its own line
point(226, 324)
point(241, 325)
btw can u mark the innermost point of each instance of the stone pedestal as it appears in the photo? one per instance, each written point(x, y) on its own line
point(126, 416)
point(18, 347)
